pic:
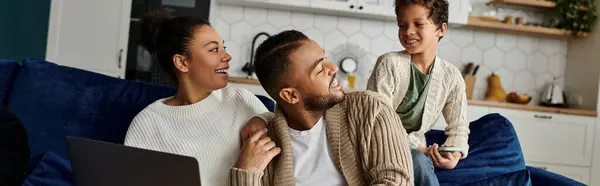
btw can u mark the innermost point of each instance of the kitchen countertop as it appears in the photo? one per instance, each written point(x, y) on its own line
point(243, 80)
point(535, 108)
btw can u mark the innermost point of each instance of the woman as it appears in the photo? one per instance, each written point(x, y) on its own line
point(203, 119)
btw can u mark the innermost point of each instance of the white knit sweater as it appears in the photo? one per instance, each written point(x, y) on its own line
point(208, 130)
point(446, 95)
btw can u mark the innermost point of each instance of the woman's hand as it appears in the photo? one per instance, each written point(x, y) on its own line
point(254, 124)
point(443, 160)
point(257, 152)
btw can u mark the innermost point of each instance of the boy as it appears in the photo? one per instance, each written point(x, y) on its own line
point(420, 86)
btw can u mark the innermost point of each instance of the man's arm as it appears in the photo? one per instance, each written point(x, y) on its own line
point(253, 167)
point(240, 177)
point(388, 157)
point(455, 113)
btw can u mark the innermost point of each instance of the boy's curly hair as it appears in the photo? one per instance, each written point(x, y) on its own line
point(438, 9)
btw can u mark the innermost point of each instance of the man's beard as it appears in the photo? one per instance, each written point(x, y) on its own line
point(321, 102)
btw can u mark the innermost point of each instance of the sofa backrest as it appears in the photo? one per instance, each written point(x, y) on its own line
point(8, 71)
point(56, 101)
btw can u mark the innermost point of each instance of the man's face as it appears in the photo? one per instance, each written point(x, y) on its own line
point(312, 78)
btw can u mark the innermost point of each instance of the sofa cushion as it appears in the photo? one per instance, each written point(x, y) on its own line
point(542, 177)
point(54, 101)
point(8, 70)
point(494, 150)
point(51, 170)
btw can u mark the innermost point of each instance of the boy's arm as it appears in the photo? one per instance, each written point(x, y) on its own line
point(387, 154)
point(382, 79)
point(455, 113)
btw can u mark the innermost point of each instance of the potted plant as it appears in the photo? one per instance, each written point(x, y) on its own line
point(577, 16)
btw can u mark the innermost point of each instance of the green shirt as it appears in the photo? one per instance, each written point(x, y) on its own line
point(411, 108)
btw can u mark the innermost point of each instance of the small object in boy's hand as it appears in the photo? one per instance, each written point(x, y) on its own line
point(450, 149)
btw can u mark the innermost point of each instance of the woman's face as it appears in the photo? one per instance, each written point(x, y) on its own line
point(209, 63)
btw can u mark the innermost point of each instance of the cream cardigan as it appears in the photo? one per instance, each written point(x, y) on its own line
point(446, 95)
point(366, 146)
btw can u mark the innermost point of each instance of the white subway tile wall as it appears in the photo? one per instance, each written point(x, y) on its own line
point(524, 63)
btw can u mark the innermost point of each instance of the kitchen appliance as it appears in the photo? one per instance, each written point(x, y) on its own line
point(553, 95)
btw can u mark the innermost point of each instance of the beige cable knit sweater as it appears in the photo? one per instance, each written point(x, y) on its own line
point(363, 134)
point(446, 95)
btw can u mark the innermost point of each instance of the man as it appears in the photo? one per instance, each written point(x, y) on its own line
point(326, 137)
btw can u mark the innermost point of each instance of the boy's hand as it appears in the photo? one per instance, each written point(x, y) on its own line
point(255, 124)
point(443, 160)
point(422, 149)
point(257, 152)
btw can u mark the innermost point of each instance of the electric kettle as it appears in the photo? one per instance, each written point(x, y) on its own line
point(553, 95)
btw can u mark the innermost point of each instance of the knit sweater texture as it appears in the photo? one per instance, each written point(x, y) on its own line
point(368, 145)
point(446, 96)
point(208, 130)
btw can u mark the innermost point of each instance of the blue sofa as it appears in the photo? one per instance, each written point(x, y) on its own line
point(54, 101)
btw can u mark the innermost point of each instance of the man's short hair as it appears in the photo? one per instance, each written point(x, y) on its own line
point(272, 59)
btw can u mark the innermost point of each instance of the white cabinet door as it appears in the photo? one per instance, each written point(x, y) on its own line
point(335, 5)
point(299, 3)
point(459, 11)
point(580, 174)
point(90, 35)
point(377, 7)
point(553, 138)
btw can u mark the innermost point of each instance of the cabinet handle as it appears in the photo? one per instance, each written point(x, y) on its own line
point(360, 7)
point(542, 116)
point(120, 57)
point(351, 6)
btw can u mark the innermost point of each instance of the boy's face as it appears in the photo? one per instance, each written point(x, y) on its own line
point(416, 31)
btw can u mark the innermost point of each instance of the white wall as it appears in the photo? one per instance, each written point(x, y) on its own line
point(524, 63)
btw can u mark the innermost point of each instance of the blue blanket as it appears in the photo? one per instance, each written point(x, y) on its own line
point(494, 153)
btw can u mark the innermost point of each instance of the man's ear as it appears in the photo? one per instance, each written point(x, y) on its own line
point(180, 63)
point(289, 95)
point(442, 30)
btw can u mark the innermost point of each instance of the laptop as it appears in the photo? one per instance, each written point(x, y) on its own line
point(97, 163)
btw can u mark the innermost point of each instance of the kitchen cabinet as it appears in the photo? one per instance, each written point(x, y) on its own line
point(368, 8)
point(365, 9)
point(553, 138)
point(89, 34)
point(377, 7)
point(335, 5)
point(458, 11)
point(297, 3)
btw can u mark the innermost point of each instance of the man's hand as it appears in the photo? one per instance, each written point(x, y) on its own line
point(255, 124)
point(443, 160)
point(257, 152)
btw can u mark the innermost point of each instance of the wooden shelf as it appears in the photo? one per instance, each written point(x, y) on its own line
point(481, 23)
point(529, 3)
